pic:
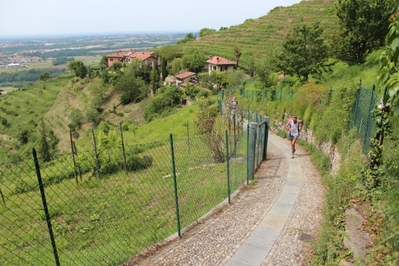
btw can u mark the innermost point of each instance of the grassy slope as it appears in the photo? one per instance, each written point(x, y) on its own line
point(253, 37)
point(256, 38)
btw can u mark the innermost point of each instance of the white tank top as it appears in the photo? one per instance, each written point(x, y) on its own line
point(294, 128)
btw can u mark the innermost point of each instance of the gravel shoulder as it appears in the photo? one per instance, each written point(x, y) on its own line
point(217, 238)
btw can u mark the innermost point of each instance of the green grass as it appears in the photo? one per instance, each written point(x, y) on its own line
point(86, 210)
point(24, 108)
point(89, 60)
point(108, 220)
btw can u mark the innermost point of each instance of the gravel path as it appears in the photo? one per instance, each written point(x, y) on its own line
point(217, 238)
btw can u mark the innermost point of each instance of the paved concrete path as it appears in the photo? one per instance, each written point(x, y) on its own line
point(273, 223)
point(258, 245)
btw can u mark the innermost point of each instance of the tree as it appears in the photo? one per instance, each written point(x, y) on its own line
point(189, 37)
point(389, 67)
point(79, 68)
point(264, 72)
point(169, 52)
point(75, 117)
point(142, 70)
point(133, 88)
point(44, 76)
point(206, 31)
point(164, 69)
point(105, 76)
point(364, 25)
point(47, 142)
point(219, 78)
point(205, 125)
point(304, 53)
point(103, 62)
point(235, 77)
point(23, 136)
point(194, 60)
point(237, 54)
point(177, 65)
point(155, 78)
point(116, 66)
point(164, 101)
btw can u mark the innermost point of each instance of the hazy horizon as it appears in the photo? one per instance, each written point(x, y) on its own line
point(69, 35)
point(25, 18)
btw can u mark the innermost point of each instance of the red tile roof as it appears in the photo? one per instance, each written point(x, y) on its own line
point(185, 75)
point(218, 60)
point(142, 55)
point(118, 54)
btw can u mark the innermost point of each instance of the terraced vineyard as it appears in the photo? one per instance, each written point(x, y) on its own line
point(256, 38)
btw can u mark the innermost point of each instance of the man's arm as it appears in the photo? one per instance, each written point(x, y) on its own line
point(287, 126)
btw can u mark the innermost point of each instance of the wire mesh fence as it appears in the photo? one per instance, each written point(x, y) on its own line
point(104, 206)
point(366, 100)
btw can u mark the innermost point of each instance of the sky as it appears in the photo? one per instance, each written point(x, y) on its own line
point(65, 17)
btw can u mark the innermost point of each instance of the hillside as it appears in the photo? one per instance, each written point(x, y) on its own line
point(256, 38)
point(366, 184)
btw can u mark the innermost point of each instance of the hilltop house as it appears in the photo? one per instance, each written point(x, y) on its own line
point(119, 56)
point(218, 63)
point(147, 57)
point(131, 55)
point(184, 78)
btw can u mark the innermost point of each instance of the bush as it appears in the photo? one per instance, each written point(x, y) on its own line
point(164, 101)
point(135, 162)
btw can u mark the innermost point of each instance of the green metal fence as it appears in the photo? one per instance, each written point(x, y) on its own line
point(366, 100)
point(101, 207)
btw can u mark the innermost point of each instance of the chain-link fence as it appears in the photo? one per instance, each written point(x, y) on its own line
point(102, 207)
point(366, 100)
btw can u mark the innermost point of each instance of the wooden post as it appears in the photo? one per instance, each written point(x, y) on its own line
point(96, 155)
point(188, 137)
point(73, 157)
point(123, 147)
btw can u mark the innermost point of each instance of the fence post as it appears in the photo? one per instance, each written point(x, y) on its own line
point(367, 133)
point(175, 185)
point(76, 153)
point(188, 137)
point(46, 212)
point(228, 166)
point(73, 157)
point(266, 139)
point(356, 108)
point(235, 137)
point(252, 146)
point(96, 155)
point(248, 153)
point(123, 147)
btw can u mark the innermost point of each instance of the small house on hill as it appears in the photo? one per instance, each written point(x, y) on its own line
point(186, 77)
point(218, 63)
point(147, 57)
point(118, 56)
point(131, 55)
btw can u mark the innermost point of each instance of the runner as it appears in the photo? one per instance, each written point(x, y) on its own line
point(294, 126)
